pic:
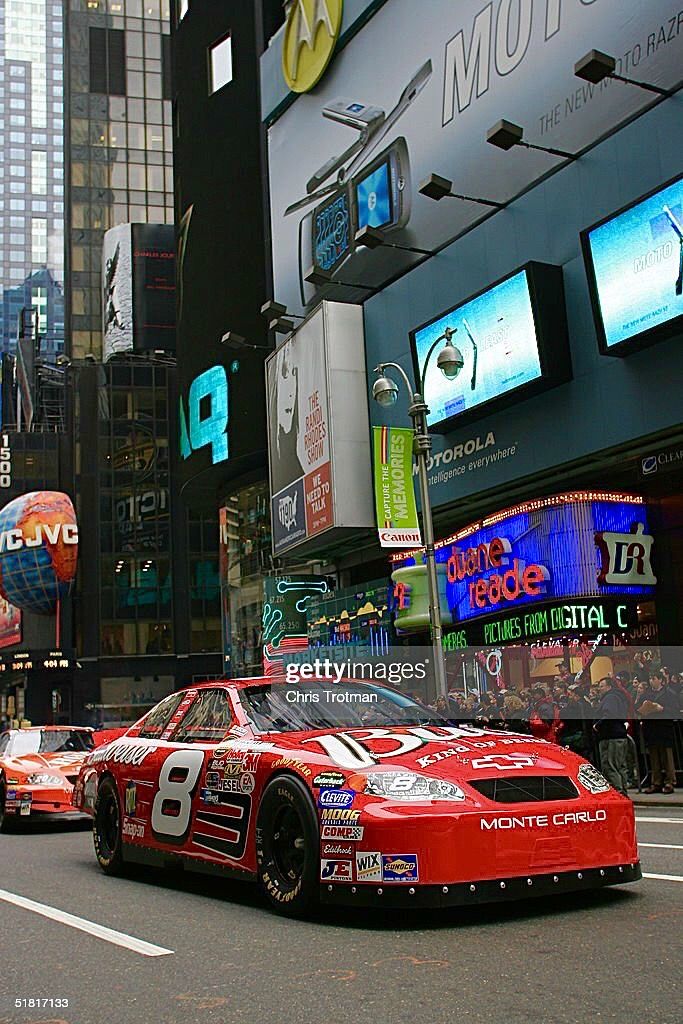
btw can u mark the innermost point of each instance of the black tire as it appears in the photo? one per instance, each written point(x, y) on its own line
point(288, 847)
point(107, 829)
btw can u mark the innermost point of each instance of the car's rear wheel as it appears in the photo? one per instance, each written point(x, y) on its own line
point(107, 829)
point(288, 846)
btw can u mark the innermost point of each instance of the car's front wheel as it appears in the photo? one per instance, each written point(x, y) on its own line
point(288, 846)
point(107, 829)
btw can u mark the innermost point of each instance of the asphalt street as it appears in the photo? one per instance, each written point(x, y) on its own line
point(613, 955)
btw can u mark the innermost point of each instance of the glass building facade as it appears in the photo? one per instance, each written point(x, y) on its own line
point(118, 141)
point(32, 169)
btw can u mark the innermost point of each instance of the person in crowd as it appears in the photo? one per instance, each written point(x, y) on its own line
point(514, 714)
point(544, 716)
point(610, 730)
point(577, 723)
point(658, 710)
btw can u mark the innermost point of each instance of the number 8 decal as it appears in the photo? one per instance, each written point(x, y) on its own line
point(173, 822)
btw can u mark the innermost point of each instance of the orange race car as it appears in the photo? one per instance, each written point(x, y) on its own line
point(38, 768)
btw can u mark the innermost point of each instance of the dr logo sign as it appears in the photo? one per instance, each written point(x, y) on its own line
point(206, 421)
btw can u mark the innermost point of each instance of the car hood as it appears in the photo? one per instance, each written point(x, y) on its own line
point(451, 753)
point(63, 764)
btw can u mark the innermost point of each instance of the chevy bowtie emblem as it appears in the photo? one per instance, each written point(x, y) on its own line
point(310, 36)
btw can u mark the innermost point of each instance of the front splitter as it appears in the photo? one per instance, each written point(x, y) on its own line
point(463, 894)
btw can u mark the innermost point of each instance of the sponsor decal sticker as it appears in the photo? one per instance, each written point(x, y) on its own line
point(129, 752)
point(209, 797)
point(336, 798)
point(293, 762)
point(337, 850)
point(336, 870)
point(347, 833)
point(368, 866)
point(399, 867)
point(132, 829)
point(338, 814)
point(131, 799)
point(329, 780)
point(213, 780)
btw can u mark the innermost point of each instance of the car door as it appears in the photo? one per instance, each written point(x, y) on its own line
point(195, 806)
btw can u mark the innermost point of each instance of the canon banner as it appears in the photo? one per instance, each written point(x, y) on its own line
point(394, 491)
point(414, 92)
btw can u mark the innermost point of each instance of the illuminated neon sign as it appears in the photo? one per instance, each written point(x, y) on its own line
point(206, 423)
point(564, 548)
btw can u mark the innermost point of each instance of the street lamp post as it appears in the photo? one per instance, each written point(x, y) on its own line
point(385, 391)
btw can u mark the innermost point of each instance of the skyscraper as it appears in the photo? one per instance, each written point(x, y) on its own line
point(118, 142)
point(32, 169)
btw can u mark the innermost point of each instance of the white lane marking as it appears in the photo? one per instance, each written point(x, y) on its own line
point(662, 821)
point(665, 878)
point(98, 930)
point(660, 846)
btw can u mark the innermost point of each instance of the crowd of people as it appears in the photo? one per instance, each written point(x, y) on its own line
point(625, 724)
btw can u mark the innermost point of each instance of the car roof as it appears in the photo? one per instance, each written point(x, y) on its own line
point(54, 728)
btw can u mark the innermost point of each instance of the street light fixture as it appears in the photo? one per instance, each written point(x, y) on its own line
point(385, 391)
point(435, 187)
point(595, 66)
point(504, 134)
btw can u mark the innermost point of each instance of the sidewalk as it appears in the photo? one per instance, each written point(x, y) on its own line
point(674, 799)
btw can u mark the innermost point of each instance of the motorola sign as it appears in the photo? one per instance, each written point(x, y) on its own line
point(413, 92)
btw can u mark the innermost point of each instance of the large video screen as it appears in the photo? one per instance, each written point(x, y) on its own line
point(498, 336)
point(635, 268)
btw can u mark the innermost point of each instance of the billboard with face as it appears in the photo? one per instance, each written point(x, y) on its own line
point(413, 93)
point(318, 431)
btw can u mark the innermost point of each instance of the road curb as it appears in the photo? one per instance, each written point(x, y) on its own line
point(657, 801)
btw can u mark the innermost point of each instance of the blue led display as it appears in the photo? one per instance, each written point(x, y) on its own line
point(373, 197)
point(636, 262)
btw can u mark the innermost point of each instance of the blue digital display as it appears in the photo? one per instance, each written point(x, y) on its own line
point(206, 423)
point(636, 260)
point(541, 554)
point(332, 232)
point(496, 334)
point(373, 197)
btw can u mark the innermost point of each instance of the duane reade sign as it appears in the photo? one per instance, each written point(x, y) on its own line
point(414, 92)
point(318, 432)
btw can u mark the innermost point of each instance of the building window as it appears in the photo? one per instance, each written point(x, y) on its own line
point(108, 61)
point(39, 172)
point(166, 68)
point(39, 240)
point(220, 64)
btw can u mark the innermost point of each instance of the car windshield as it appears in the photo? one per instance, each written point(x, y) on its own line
point(50, 741)
point(321, 705)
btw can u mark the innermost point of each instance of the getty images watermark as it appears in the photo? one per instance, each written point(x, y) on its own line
point(396, 673)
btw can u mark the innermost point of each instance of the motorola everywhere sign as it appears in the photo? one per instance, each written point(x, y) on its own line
point(414, 92)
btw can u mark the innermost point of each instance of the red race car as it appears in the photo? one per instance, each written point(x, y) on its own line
point(38, 769)
point(352, 793)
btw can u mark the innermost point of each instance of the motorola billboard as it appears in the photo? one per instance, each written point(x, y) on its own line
point(413, 93)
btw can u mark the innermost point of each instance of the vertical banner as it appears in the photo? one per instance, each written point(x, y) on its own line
point(394, 492)
point(298, 422)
